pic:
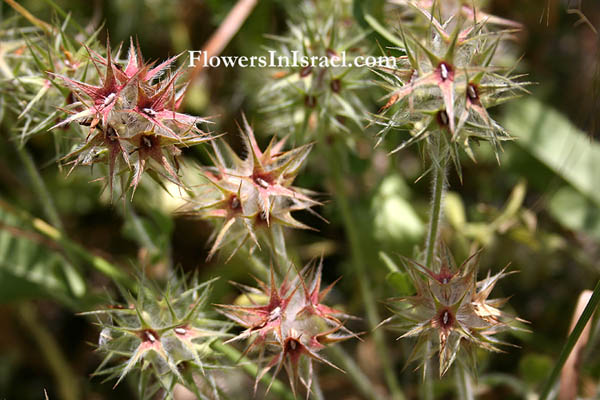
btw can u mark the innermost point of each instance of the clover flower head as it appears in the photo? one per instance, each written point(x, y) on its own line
point(254, 194)
point(411, 12)
point(445, 83)
point(451, 311)
point(289, 322)
point(132, 117)
point(295, 96)
point(163, 333)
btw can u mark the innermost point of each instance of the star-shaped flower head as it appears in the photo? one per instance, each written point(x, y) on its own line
point(164, 334)
point(132, 118)
point(98, 100)
point(252, 195)
point(451, 311)
point(445, 83)
point(26, 57)
point(289, 321)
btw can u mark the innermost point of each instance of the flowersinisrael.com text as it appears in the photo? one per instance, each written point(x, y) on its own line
point(272, 60)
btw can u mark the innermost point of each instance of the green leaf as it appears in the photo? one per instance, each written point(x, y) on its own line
point(574, 211)
point(394, 219)
point(401, 282)
point(454, 209)
point(553, 140)
point(30, 269)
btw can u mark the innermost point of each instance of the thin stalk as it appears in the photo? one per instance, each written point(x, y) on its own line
point(99, 263)
point(66, 379)
point(439, 187)
point(358, 263)
point(463, 383)
point(427, 386)
point(316, 388)
point(357, 376)
point(252, 369)
point(39, 187)
point(587, 313)
point(72, 275)
point(279, 250)
point(140, 229)
point(258, 267)
point(439, 164)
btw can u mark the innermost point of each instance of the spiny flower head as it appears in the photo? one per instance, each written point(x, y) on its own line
point(411, 14)
point(163, 334)
point(296, 97)
point(253, 194)
point(444, 85)
point(26, 55)
point(132, 118)
point(451, 311)
point(289, 321)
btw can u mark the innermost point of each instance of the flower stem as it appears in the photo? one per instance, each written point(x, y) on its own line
point(587, 313)
point(252, 369)
point(72, 275)
point(278, 248)
point(463, 383)
point(439, 176)
point(440, 161)
point(359, 379)
point(358, 262)
point(426, 389)
point(39, 187)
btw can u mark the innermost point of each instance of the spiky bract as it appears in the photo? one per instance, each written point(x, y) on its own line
point(163, 334)
point(132, 116)
point(445, 83)
point(451, 312)
point(254, 194)
point(289, 322)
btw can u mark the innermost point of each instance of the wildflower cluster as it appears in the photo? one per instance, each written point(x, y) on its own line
point(132, 117)
point(127, 115)
point(164, 334)
point(289, 322)
point(252, 195)
point(451, 311)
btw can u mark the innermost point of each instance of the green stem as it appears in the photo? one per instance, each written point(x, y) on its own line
point(358, 263)
point(463, 383)
point(39, 187)
point(252, 369)
point(279, 250)
point(572, 340)
point(137, 224)
point(359, 379)
point(258, 267)
point(316, 388)
point(440, 161)
point(65, 377)
point(439, 177)
point(427, 386)
point(72, 275)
